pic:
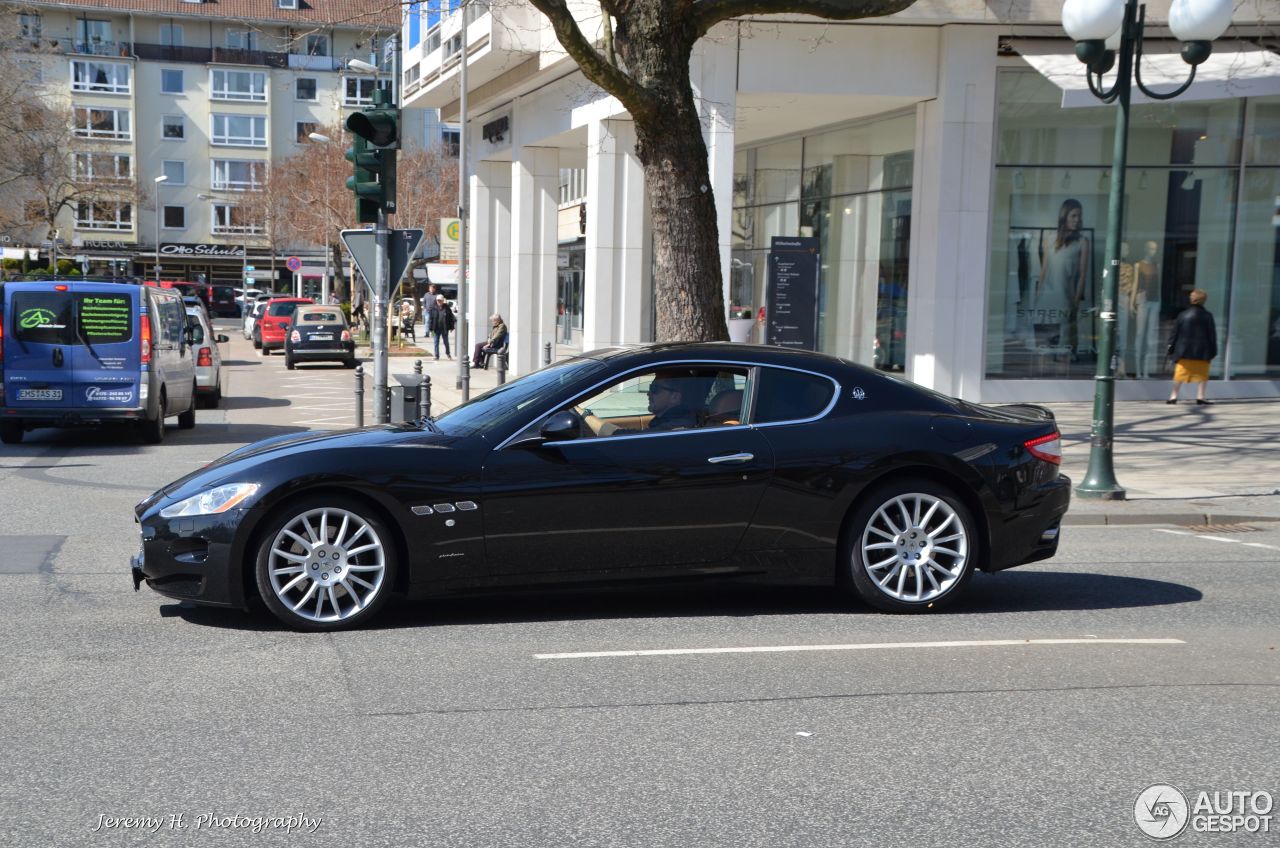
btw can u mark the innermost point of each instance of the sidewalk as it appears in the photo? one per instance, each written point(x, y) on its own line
point(1182, 464)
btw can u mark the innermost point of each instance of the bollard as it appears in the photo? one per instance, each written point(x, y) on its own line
point(546, 354)
point(424, 398)
point(359, 395)
point(417, 367)
point(502, 368)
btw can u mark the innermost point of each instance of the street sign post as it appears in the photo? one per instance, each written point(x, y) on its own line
point(382, 255)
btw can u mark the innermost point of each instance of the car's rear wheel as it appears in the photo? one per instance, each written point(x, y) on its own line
point(187, 420)
point(349, 363)
point(288, 361)
point(153, 429)
point(215, 399)
point(325, 563)
point(910, 546)
point(11, 431)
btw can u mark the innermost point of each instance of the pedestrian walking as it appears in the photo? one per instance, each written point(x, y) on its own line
point(1193, 346)
point(441, 321)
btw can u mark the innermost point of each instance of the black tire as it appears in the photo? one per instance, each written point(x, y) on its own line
point(153, 429)
point(350, 363)
point(215, 399)
point(187, 420)
point(288, 361)
point(11, 431)
point(257, 342)
point(932, 566)
point(326, 554)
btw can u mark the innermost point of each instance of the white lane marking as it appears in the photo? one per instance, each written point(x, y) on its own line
point(866, 646)
point(1220, 539)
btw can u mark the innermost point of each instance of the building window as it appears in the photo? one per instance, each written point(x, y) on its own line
point(171, 35)
point(111, 124)
point(242, 39)
point(170, 81)
point(175, 218)
point(175, 170)
point(30, 26)
point(415, 24)
point(173, 127)
point(287, 4)
point(1195, 217)
point(305, 129)
point(94, 37)
point(104, 167)
point(305, 89)
point(100, 77)
point(238, 174)
point(242, 130)
point(359, 91)
point(230, 220)
point(453, 46)
point(451, 140)
point(238, 85)
point(317, 45)
point(104, 215)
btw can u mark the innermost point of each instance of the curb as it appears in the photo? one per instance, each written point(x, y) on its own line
point(1181, 518)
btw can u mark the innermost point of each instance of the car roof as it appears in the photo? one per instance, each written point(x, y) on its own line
point(731, 351)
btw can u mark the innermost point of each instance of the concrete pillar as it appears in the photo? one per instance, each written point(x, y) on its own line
point(950, 220)
point(535, 182)
point(714, 71)
point(615, 271)
point(490, 241)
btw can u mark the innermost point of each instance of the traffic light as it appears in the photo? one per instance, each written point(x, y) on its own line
point(373, 155)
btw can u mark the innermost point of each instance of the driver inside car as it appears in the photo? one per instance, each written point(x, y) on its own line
point(667, 403)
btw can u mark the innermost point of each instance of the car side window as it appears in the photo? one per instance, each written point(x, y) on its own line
point(666, 399)
point(197, 331)
point(784, 395)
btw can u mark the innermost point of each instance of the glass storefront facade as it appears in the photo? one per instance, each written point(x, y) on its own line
point(1200, 196)
point(851, 189)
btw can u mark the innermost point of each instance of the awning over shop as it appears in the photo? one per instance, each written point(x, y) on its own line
point(1230, 72)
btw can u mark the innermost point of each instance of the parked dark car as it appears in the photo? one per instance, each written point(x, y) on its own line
point(222, 303)
point(319, 334)
point(663, 462)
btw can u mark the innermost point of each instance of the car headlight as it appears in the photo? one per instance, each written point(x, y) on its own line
point(211, 501)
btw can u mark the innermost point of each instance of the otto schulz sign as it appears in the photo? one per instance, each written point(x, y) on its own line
point(228, 250)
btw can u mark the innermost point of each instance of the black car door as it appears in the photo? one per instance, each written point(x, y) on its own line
point(655, 500)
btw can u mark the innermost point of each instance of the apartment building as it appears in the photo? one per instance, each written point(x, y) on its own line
point(931, 155)
point(189, 103)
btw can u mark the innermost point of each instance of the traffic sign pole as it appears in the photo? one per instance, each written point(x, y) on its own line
point(378, 332)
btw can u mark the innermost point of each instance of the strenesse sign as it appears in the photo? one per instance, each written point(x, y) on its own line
point(180, 249)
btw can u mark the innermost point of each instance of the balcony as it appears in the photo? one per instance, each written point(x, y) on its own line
point(236, 56)
point(303, 62)
point(171, 53)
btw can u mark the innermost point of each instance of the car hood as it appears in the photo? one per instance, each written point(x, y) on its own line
point(240, 462)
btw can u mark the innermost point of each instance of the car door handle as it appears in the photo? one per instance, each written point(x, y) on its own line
point(730, 458)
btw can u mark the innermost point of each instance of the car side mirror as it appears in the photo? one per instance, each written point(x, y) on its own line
point(563, 426)
point(222, 339)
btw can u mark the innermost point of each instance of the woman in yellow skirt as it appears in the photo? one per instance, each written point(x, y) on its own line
point(1193, 346)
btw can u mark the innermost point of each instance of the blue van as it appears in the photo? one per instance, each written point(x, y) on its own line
point(83, 352)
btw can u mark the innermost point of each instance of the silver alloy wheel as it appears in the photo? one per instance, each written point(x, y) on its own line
point(326, 564)
point(915, 547)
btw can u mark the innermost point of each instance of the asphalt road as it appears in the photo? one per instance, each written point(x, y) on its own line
point(447, 725)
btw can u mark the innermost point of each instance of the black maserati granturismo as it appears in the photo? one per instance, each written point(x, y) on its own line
point(675, 462)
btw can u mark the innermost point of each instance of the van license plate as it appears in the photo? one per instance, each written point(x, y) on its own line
point(39, 394)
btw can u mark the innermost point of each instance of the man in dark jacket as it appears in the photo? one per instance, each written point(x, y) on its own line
point(1193, 346)
point(440, 321)
point(667, 403)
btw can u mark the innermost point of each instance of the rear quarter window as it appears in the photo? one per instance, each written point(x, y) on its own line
point(321, 317)
point(790, 395)
point(42, 317)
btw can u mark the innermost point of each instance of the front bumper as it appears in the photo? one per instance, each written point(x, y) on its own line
point(191, 559)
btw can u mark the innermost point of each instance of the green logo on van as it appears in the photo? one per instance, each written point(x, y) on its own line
point(30, 319)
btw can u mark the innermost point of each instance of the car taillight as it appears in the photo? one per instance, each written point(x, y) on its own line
point(144, 333)
point(204, 357)
point(1048, 448)
point(346, 336)
point(295, 337)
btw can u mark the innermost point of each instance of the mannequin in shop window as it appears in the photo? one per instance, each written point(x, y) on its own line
point(1064, 262)
point(1125, 284)
point(1144, 303)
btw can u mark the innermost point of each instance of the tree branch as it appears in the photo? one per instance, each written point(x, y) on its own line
point(593, 65)
point(708, 13)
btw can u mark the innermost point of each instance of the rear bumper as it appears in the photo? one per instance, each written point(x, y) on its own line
point(339, 352)
point(1031, 532)
point(44, 416)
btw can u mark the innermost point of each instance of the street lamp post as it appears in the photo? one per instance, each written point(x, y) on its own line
point(1109, 33)
point(158, 180)
point(328, 253)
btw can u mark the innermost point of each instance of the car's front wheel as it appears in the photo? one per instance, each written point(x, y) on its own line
point(910, 546)
point(325, 563)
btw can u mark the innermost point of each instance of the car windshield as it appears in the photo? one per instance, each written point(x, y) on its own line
point(506, 403)
point(321, 317)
